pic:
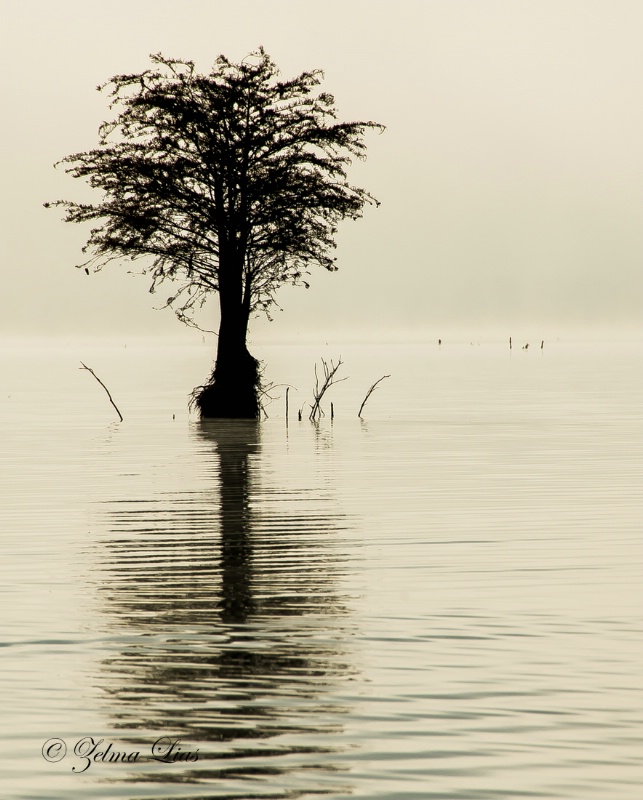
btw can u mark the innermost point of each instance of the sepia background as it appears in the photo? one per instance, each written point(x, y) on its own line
point(440, 599)
point(510, 174)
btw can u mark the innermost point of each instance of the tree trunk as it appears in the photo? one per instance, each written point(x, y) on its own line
point(233, 390)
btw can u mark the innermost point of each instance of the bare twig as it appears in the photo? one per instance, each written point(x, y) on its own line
point(369, 393)
point(89, 369)
point(264, 392)
point(319, 391)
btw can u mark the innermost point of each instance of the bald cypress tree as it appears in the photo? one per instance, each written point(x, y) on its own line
point(231, 182)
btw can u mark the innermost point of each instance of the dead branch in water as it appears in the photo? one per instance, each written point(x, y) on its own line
point(320, 390)
point(369, 393)
point(89, 369)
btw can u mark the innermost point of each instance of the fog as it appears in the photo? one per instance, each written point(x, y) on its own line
point(510, 174)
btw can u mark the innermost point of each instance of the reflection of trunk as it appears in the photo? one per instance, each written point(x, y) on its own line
point(232, 594)
point(234, 451)
point(232, 391)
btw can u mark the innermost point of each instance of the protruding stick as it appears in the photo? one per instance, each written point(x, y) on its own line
point(369, 393)
point(319, 391)
point(89, 369)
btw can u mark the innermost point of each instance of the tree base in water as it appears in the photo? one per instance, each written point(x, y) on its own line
point(232, 392)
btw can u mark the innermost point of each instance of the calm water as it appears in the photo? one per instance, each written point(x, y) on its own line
point(442, 600)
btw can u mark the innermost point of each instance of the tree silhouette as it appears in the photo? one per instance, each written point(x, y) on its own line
point(231, 182)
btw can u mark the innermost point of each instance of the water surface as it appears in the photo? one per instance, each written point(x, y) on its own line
point(441, 600)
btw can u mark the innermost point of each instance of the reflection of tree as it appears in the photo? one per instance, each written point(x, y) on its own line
point(232, 632)
point(235, 447)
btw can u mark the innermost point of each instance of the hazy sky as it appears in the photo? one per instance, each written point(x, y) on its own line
point(510, 174)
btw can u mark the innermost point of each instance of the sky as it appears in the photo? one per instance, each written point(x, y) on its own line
point(510, 174)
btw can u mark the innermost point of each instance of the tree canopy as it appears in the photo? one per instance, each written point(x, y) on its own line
point(231, 182)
